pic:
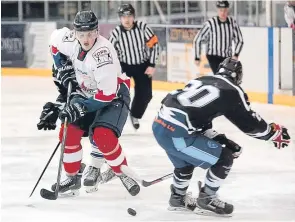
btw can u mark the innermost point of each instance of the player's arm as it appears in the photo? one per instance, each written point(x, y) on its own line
point(105, 74)
point(152, 43)
point(61, 47)
point(253, 125)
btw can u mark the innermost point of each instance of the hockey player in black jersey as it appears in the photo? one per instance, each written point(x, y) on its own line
point(183, 128)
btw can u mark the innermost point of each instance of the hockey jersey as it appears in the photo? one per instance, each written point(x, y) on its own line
point(193, 108)
point(98, 71)
point(289, 13)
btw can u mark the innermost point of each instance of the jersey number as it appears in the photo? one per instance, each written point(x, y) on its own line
point(195, 94)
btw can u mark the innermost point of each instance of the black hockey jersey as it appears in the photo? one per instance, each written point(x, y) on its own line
point(193, 108)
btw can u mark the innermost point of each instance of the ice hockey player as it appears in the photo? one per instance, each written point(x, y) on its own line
point(290, 14)
point(183, 128)
point(102, 106)
point(49, 115)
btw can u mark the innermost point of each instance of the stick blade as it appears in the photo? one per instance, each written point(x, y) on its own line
point(46, 194)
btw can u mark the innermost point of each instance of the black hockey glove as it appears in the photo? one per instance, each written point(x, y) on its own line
point(67, 74)
point(48, 117)
point(225, 142)
point(73, 112)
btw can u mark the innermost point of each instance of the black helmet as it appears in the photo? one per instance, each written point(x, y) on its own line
point(126, 9)
point(232, 69)
point(85, 21)
point(222, 4)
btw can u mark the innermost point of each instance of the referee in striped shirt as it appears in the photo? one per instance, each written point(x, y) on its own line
point(138, 49)
point(219, 32)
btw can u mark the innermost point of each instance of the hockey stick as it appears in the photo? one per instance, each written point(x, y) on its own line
point(45, 168)
point(49, 195)
point(126, 170)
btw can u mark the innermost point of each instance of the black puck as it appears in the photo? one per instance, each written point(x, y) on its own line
point(131, 211)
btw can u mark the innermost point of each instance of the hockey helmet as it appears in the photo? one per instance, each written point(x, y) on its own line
point(126, 9)
point(231, 69)
point(222, 4)
point(85, 21)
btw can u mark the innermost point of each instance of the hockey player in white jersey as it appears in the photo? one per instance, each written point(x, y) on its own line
point(102, 106)
point(290, 14)
point(49, 116)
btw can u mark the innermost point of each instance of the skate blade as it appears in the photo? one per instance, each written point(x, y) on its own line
point(179, 209)
point(71, 193)
point(204, 212)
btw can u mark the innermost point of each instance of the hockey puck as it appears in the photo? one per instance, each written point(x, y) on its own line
point(131, 211)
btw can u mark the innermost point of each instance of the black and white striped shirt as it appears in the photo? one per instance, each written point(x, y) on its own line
point(219, 36)
point(137, 45)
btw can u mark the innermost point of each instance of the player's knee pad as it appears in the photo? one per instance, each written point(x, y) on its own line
point(73, 151)
point(224, 164)
point(184, 172)
point(105, 139)
point(108, 144)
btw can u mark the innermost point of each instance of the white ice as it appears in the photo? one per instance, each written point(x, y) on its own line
point(261, 184)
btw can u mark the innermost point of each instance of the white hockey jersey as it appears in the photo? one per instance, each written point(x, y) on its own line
point(98, 71)
point(289, 15)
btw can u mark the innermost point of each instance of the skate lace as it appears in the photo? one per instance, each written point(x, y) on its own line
point(92, 173)
point(189, 200)
point(217, 202)
point(66, 181)
point(128, 181)
point(107, 175)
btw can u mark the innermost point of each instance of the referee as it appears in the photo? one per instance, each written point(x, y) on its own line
point(219, 32)
point(137, 47)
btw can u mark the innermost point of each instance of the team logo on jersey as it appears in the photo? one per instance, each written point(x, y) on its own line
point(212, 145)
point(102, 56)
point(69, 37)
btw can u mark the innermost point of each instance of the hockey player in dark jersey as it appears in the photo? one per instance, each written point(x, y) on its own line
point(183, 128)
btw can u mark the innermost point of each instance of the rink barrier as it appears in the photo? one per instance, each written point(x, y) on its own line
point(159, 85)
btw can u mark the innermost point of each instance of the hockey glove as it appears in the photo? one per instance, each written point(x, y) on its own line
point(73, 112)
point(48, 117)
point(227, 143)
point(224, 142)
point(67, 74)
point(279, 136)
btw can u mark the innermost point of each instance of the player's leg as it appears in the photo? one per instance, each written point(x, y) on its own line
point(218, 159)
point(142, 94)
point(93, 174)
point(200, 151)
point(107, 128)
point(71, 160)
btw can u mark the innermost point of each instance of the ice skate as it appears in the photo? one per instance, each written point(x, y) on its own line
point(108, 175)
point(71, 185)
point(178, 202)
point(131, 185)
point(92, 179)
point(211, 205)
point(135, 122)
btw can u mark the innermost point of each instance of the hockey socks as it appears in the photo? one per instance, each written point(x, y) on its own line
point(108, 144)
point(73, 150)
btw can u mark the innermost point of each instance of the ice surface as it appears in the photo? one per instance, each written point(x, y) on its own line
point(261, 184)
